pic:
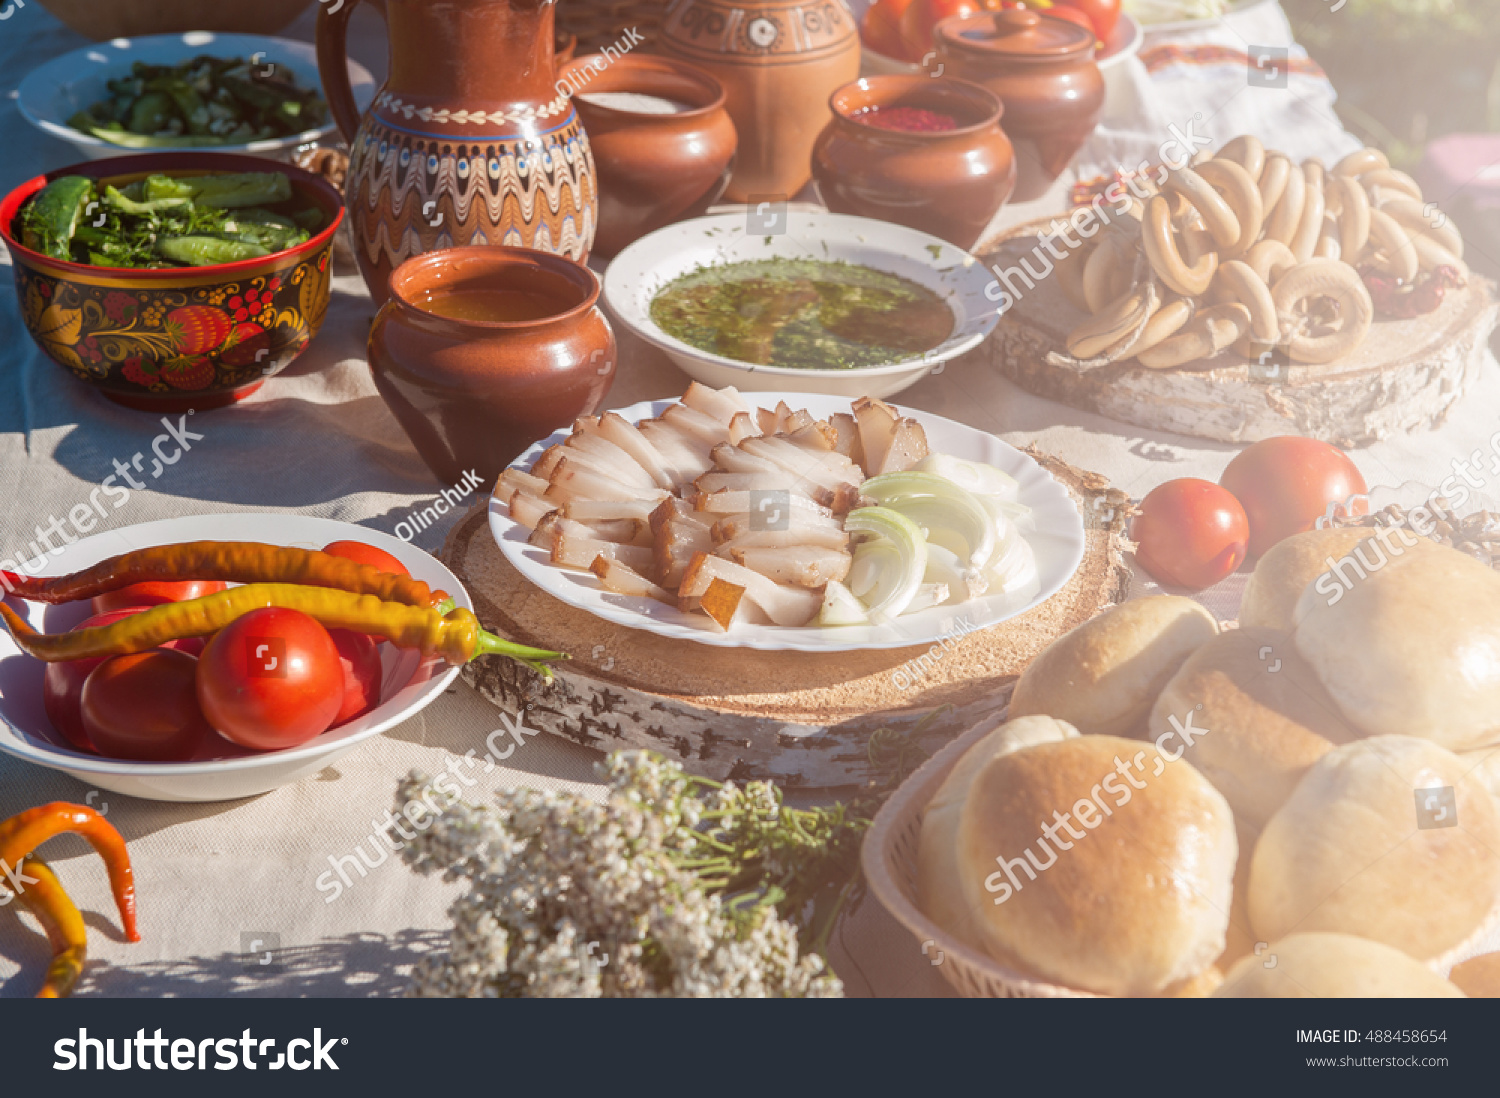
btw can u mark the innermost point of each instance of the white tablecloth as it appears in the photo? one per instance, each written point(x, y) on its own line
point(318, 440)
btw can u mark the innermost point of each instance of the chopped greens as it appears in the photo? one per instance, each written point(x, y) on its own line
point(205, 101)
point(159, 221)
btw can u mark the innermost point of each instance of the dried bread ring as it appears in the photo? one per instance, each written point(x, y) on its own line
point(1164, 323)
point(1398, 256)
point(1329, 245)
point(1210, 332)
point(1431, 255)
point(1358, 163)
point(1323, 278)
point(1270, 259)
point(1389, 179)
point(1310, 225)
point(1413, 215)
point(1106, 273)
point(1166, 260)
point(1246, 151)
point(1110, 333)
point(1354, 214)
point(1238, 282)
point(1237, 187)
point(1218, 217)
point(1272, 182)
point(1070, 275)
point(1283, 221)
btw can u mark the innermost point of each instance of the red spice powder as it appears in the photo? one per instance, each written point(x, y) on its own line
point(906, 119)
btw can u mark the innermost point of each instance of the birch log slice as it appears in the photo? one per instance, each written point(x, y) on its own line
point(803, 719)
point(1405, 377)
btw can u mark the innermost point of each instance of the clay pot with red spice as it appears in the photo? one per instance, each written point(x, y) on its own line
point(1043, 70)
point(654, 167)
point(922, 152)
point(475, 393)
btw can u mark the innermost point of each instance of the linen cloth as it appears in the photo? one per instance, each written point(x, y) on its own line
point(224, 885)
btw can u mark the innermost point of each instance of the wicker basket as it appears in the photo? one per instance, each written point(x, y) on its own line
point(889, 857)
point(599, 23)
point(890, 863)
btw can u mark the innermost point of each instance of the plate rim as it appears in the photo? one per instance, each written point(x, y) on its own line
point(617, 290)
point(28, 92)
point(783, 641)
point(17, 744)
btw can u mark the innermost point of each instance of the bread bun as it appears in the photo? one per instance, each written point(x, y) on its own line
point(1257, 717)
point(1097, 863)
point(1239, 939)
point(1483, 764)
point(1333, 966)
point(1359, 849)
point(938, 892)
point(1478, 977)
point(1102, 676)
point(1413, 649)
point(1283, 573)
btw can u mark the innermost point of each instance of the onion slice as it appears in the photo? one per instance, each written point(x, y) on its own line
point(899, 581)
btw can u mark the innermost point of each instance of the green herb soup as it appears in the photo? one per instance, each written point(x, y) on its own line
point(803, 314)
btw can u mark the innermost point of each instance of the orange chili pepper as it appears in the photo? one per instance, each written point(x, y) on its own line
point(23, 833)
point(455, 636)
point(229, 561)
point(43, 895)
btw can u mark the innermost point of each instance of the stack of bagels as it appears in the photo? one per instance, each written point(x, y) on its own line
point(1248, 250)
point(1297, 806)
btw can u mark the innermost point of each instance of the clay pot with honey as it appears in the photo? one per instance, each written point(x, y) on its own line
point(481, 351)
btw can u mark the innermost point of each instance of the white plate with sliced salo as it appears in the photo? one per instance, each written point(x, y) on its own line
point(1051, 525)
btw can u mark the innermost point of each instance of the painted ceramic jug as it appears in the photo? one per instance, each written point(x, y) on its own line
point(779, 61)
point(469, 141)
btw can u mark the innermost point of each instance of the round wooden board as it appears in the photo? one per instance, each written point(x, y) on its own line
point(1405, 377)
point(799, 718)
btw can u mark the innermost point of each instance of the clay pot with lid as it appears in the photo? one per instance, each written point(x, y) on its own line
point(949, 183)
point(1043, 70)
point(474, 394)
point(654, 168)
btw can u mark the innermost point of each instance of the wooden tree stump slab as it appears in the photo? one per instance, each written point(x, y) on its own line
point(1406, 376)
point(799, 718)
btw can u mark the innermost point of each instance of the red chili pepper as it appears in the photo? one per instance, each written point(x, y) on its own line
point(229, 561)
point(23, 833)
point(44, 897)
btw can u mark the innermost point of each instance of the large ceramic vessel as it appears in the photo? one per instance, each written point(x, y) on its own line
point(779, 61)
point(949, 183)
point(1043, 70)
point(471, 395)
point(470, 140)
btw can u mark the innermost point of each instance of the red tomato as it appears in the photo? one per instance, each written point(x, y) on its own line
point(62, 683)
point(1073, 15)
point(1190, 533)
point(154, 593)
point(1287, 483)
point(1103, 14)
point(366, 554)
point(881, 29)
point(921, 16)
point(359, 654)
point(271, 679)
point(145, 707)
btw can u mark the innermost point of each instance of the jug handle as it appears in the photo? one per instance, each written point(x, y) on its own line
point(332, 33)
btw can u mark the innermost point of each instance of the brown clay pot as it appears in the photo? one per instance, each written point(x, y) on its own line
point(475, 394)
point(468, 141)
point(948, 183)
point(1043, 70)
point(654, 169)
point(779, 61)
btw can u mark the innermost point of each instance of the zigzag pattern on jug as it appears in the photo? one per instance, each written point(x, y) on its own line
point(409, 193)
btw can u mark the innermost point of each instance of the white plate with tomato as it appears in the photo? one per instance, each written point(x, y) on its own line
point(390, 684)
